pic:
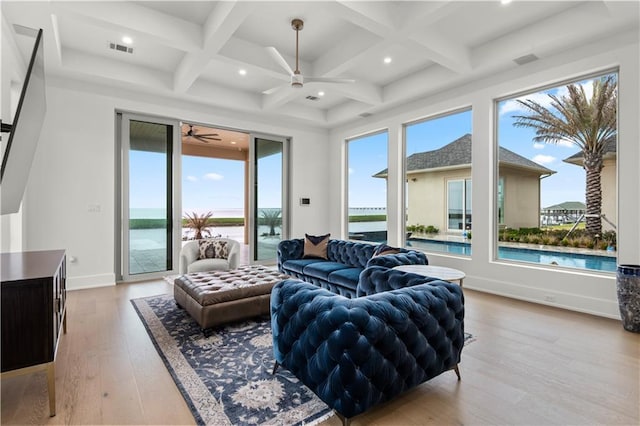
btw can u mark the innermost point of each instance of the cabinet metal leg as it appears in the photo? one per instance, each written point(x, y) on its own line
point(51, 385)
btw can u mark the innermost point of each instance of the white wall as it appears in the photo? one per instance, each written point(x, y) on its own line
point(74, 167)
point(578, 290)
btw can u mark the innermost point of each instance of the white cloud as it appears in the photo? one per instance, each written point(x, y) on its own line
point(566, 144)
point(192, 178)
point(511, 106)
point(514, 107)
point(562, 143)
point(544, 159)
point(213, 176)
point(351, 171)
point(539, 145)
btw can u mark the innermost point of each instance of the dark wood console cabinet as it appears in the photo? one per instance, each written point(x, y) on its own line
point(33, 297)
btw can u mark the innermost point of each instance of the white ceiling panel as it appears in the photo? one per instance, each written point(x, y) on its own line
point(84, 37)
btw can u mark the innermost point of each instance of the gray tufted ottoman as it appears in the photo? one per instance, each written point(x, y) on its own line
point(218, 297)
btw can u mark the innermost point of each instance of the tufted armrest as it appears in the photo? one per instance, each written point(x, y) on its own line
point(407, 257)
point(357, 353)
point(378, 278)
point(289, 249)
point(189, 254)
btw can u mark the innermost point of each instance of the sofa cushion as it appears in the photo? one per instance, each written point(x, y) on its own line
point(297, 265)
point(383, 249)
point(213, 249)
point(346, 277)
point(322, 269)
point(315, 246)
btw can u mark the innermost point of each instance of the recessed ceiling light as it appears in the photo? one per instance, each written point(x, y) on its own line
point(321, 93)
point(242, 71)
point(387, 60)
point(505, 1)
point(233, 142)
point(127, 40)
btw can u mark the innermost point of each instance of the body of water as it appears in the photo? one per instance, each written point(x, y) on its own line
point(544, 257)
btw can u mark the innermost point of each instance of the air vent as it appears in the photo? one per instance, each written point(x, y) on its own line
point(526, 59)
point(312, 98)
point(120, 48)
point(365, 114)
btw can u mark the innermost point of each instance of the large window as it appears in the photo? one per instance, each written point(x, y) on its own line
point(367, 183)
point(557, 175)
point(438, 183)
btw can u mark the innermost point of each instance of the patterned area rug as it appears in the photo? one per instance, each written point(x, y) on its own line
point(226, 377)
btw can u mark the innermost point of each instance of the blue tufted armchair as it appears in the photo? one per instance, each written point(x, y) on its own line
point(401, 331)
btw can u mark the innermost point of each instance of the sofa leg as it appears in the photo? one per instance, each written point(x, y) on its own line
point(457, 370)
point(275, 367)
point(346, 421)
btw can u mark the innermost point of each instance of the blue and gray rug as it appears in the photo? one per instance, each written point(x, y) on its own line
point(226, 377)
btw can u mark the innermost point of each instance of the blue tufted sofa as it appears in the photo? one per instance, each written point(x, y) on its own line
point(340, 273)
point(401, 331)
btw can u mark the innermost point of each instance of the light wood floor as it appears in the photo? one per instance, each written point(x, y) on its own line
point(529, 365)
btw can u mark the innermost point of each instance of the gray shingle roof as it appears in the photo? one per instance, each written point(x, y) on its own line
point(611, 148)
point(458, 153)
point(567, 205)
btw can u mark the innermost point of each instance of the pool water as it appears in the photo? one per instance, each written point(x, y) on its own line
point(545, 257)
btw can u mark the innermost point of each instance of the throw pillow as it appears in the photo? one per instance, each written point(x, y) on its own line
point(213, 249)
point(383, 249)
point(315, 246)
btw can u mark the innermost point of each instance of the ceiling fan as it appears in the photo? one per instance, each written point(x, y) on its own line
point(297, 80)
point(206, 137)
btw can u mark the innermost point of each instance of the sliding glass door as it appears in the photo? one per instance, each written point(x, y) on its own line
point(269, 195)
point(150, 239)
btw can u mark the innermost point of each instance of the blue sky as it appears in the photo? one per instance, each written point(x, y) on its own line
point(218, 185)
point(368, 155)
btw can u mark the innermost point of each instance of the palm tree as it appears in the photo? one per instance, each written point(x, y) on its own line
point(589, 124)
point(271, 219)
point(199, 224)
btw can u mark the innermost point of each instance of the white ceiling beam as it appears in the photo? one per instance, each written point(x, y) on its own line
point(376, 20)
point(137, 20)
point(428, 42)
point(347, 54)
point(442, 50)
point(223, 21)
point(367, 15)
point(361, 91)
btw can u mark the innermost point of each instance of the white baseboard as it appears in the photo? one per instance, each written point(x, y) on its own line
point(570, 301)
point(90, 281)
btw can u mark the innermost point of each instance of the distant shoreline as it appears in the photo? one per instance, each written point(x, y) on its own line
point(141, 223)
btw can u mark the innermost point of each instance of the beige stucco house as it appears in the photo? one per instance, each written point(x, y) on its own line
point(608, 182)
point(439, 188)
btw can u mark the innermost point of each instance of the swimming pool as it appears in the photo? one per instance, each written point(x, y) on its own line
point(545, 257)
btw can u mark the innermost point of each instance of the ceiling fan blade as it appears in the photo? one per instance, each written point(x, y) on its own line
point(206, 139)
point(208, 134)
point(279, 59)
point(328, 80)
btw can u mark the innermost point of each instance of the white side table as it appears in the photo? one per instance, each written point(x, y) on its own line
point(440, 272)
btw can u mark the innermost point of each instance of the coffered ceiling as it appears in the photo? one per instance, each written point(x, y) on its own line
point(195, 50)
